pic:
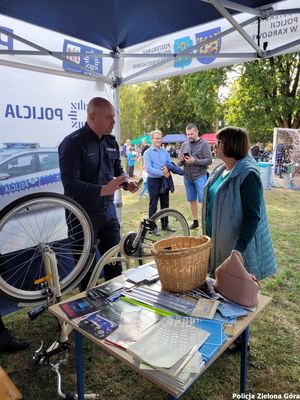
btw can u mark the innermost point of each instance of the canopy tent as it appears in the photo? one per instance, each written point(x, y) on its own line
point(209, 137)
point(140, 139)
point(174, 138)
point(181, 137)
point(134, 41)
point(118, 42)
point(127, 41)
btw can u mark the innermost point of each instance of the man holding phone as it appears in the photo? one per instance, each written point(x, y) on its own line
point(156, 159)
point(195, 156)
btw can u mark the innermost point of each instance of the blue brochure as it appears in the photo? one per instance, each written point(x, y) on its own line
point(215, 328)
point(231, 310)
point(208, 350)
point(225, 320)
point(97, 325)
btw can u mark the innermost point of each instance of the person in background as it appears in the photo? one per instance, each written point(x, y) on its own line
point(195, 156)
point(10, 343)
point(130, 162)
point(126, 148)
point(145, 147)
point(91, 172)
point(255, 151)
point(233, 210)
point(144, 190)
point(155, 160)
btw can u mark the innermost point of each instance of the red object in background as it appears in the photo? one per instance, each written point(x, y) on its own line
point(209, 137)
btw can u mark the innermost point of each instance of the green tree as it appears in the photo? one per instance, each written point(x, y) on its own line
point(266, 95)
point(166, 105)
point(203, 91)
point(131, 121)
point(170, 104)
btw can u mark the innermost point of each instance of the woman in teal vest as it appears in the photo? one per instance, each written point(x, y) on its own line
point(233, 211)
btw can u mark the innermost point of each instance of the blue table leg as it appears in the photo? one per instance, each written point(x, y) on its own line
point(244, 360)
point(79, 366)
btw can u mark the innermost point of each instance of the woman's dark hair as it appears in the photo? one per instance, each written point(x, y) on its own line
point(236, 141)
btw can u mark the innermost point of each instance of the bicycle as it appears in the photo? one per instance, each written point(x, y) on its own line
point(42, 258)
point(136, 246)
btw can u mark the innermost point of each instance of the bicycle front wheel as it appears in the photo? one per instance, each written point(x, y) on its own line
point(30, 224)
point(173, 219)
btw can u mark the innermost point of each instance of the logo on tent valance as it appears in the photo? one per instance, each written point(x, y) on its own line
point(210, 48)
point(181, 45)
point(89, 60)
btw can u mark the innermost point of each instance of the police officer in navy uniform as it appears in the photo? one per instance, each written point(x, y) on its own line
point(91, 172)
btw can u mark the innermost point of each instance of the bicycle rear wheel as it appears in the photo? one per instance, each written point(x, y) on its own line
point(29, 224)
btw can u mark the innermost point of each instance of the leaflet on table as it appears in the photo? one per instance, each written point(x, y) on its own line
point(165, 300)
point(252, 309)
point(168, 342)
point(157, 310)
point(216, 338)
point(180, 381)
point(209, 350)
point(111, 311)
point(231, 310)
point(183, 369)
point(215, 341)
point(97, 326)
point(145, 273)
point(132, 326)
point(110, 287)
point(77, 308)
point(86, 305)
point(205, 308)
point(226, 320)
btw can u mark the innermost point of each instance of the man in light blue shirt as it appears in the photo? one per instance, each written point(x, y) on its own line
point(155, 160)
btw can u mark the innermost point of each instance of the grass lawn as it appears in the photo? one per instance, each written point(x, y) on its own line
point(274, 362)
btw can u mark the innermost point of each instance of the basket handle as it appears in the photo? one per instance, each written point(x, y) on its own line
point(167, 251)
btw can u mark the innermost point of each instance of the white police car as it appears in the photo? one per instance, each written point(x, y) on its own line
point(27, 168)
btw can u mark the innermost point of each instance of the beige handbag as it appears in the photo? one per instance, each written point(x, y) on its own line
point(235, 283)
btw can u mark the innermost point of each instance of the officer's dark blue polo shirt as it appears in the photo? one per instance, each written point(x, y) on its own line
point(86, 163)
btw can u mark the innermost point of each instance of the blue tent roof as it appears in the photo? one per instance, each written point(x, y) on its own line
point(174, 138)
point(118, 23)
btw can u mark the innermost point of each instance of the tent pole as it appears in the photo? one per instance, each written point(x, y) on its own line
point(274, 52)
point(118, 193)
point(44, 51)
point(219, 7)
point(117, 131)
point(238, 7)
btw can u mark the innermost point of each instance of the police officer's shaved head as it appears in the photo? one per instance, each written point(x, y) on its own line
point(100, 116)
point(97, 102)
